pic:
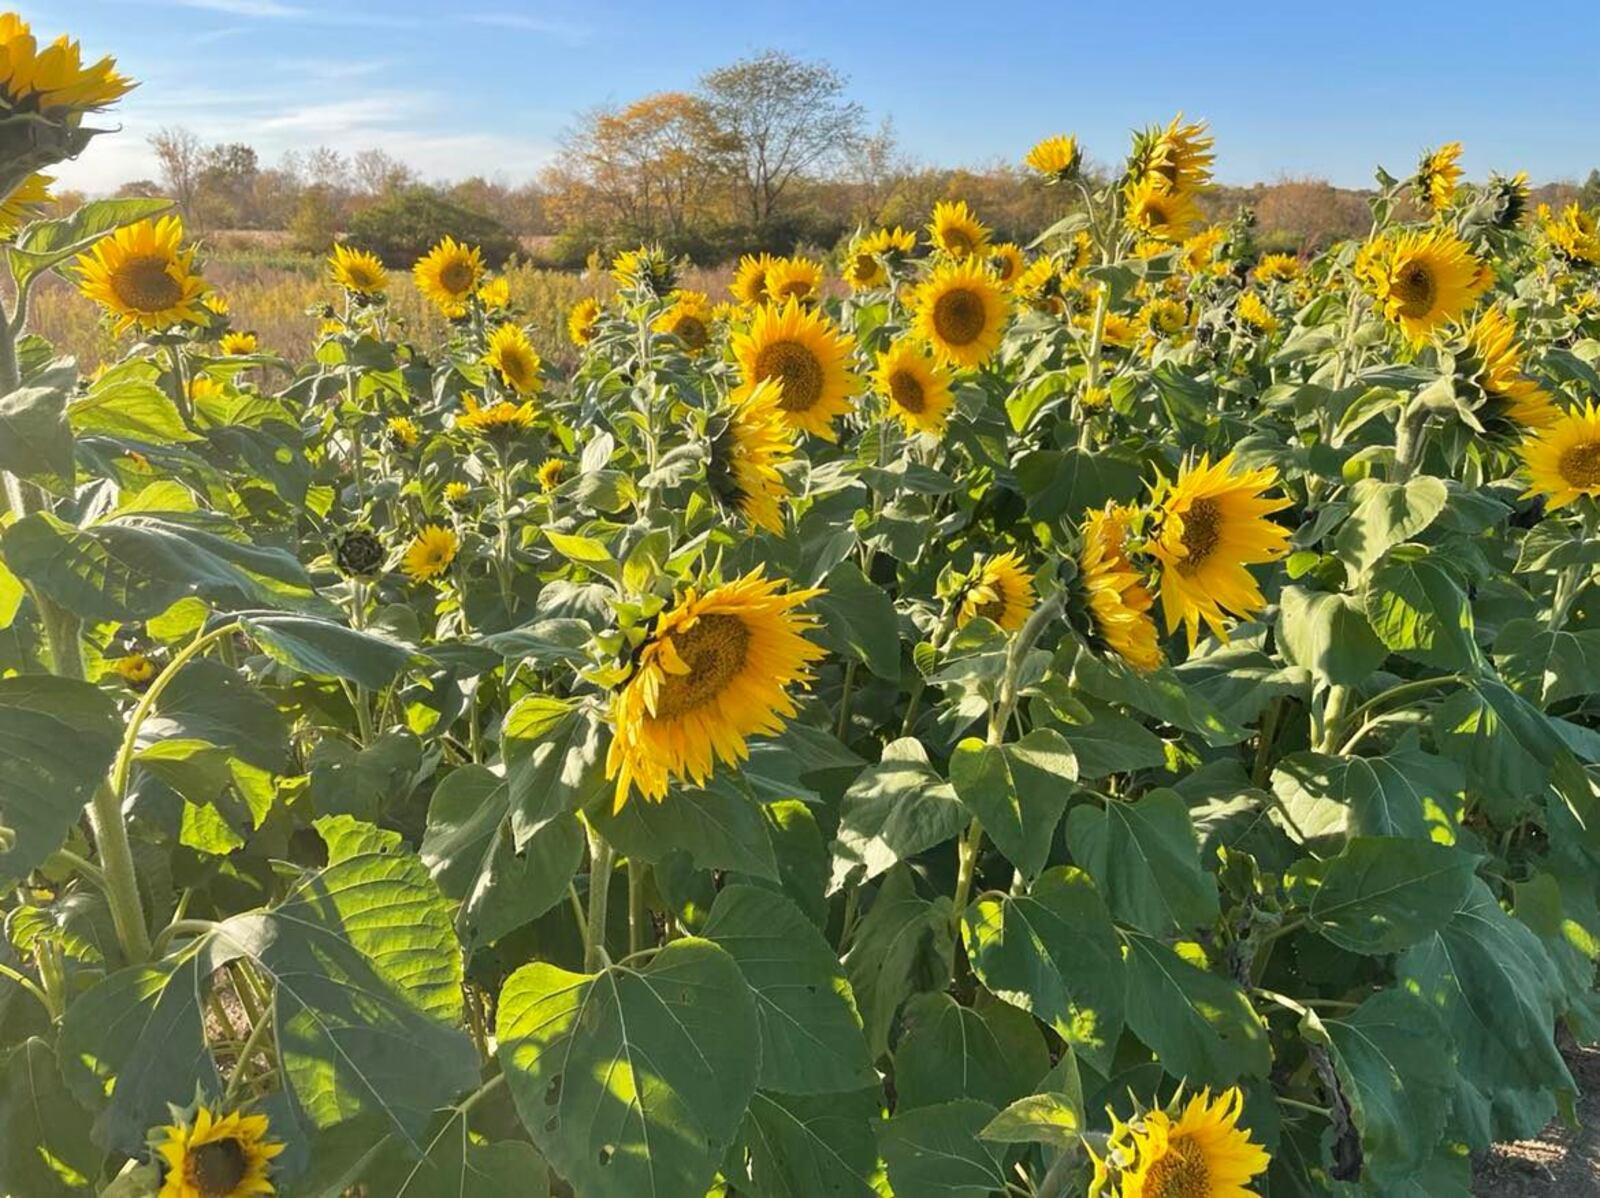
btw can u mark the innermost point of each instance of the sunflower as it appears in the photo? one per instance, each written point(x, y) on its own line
point(217, 1157)
point(1055, 158)
point(1155, 209)
point(430, 554)
point(750, 446)
point(495, 295)
point(645, 269)
point(30, 198)
point(961, 312)
point(136, 670)
point(956, 230)
point(1563, 459)
point(1509, 197)
point(1119, 330)
point(357, 271)
point(688, 319)
point(794, 279)
point(1255, 314)
point(583, 322)
point(1007, 262)
point(53, 82)
point(1201, 252)
point(1114, 590)
point(403, 432)
point(1423, 280)
point(998, 589)
point(143, 276)
point(1572, 236)
point(1277, 268)
point(863, 268)
point(448, 274)
point(512, 355)
point(1437, 175)
point(1492, 345)
point(499, 421)
point(715, 670)
point(235, 345)
point(549, 474)
point(1178, 158)
point(749, 284)
point(917, 387)
point(1039, 286)
point(1211, 524)
point(801, 349)
point(458, 495)
point(1201, 1154)
point(893, 245)
point(1165, 317)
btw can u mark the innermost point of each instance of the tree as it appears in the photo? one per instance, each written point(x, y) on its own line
point(785, 117)
point(1589, 193)
point(181, 156)
point(378, 173)
point(226, 187)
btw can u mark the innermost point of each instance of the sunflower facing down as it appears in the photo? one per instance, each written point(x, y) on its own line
point(688, 319)
point(645, 269)
point(1492, 346)
point(513, 357)
point(1563, 460)
point(961, 313)
point(1211, 525)
point(448, 274)
point(136, 669)
point(800, 349)
point(430, 553)
point(143, 276)
point(715, 671)
point(798, 279)
point(997, 589)
point(1437, 177)
point(357, 271)
point(746, 452)
point(216, 1157)
point(1114, 590)
point(583, 322)
point(956, 230)
point(917, 387)
point(1203, 1153)
point(749, 284)
point(1423, 280)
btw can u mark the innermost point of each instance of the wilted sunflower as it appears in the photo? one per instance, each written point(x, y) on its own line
point(802, 350)
point(956, 230)
point(749, 284)
point(31, 197)
point(1114, 590)
point(1055, 158)
point(1277, 268)
point(143, 276)
point(1572, 236)
point(1177, 158)
point(1201, 1154)
point(136, 670)
point(1563, 459)
point(53, 82)
point(357, 271)
point(495, 295)
point(513, 357)
point(715, 671)
point(403, 432)
point(797, 279)
point(997, 589)
point(1437, 175)
point(224, 1156)
point(238, 344)
point(448, 274)
point(430, 554)
point(688, 319)
point(583, 322)
point(751, 442)
point(1493, 349)
point(1510, 198)
point(646, 269)
point(1423, 280)
point(917, 387)
point(961, 313)
point(1007, 263)
point(499, 421)
point(1255, 314)
point(1211, 524)
point(1155, 209)
point(549, 474)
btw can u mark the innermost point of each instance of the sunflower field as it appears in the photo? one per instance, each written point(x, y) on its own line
point(1117, 716)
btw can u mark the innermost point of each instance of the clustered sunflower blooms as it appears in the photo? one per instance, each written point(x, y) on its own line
point(208, 1155)
point(1493, 349)
point(1167, 169)
point(917, 388)
point(1574, 236)
point(430, 553)
point(1056, 159)
point(961, 312)
point(801, 350)
point(750, 443)
point(1563, 458)
point(1199, 1152)
point(715, 670)
point(357, 271)
point(142, 275)
point(448, 274)
point(688, 318)
point(1114, 590)
point(997, 588)
point(1422, 280)
point(514, 359)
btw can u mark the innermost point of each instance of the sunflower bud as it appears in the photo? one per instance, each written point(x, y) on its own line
point(359, 553)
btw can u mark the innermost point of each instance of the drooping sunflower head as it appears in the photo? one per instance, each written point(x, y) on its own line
point(357, 271)
point(238, 344)
point(1423, 280)
point(688, 319)
point(1509, 197)
point(749, 285)
point(495, 295)
point(801, 350)
point(143, 276)
point(1200, 1153)
point(499, 422)
point(1437, 177)
point(1177, 158)
point(1563, 459)
point(136, 670)
point(512, 355)
point(1156, 210)
point(748, 445)
point(647, 269)
point(798, 279)
point(550, 473)
point(1007, 263)
point(27, 202)
point(583, 322)
point(916, 387)
point(430, 553)
point(1055, 159)
point(403, 432)
point(1210, 525)
point(216, 1156)
point(1494, 361)
point(53, 82)
point(1277, 268)
point(1572, 236)
point(1114, 594)
point(997, 588)
point(1255, 314)
point(448, 274)
point(961, 312)
point(716, 670)
point(955, 230)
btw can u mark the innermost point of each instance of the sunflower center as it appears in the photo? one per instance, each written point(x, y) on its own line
point(864, 268)
point(515, 366)
point(797, 370)
point(959, 316)
point(1181, 1173)
point(455, 276)
point(957, 242)
point(906, 390)
point(994, 608)
point(217, 1168)
point(144, 285)
point(692, 331)
point(1202, 529)
point(715, 648)
point(1415, 289)
point(1580, 466)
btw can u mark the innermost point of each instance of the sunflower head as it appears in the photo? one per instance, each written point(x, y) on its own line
point(997, 588)
point(25, 203)
point(715, 670)
point(1277, 268)
point(1113, 593)
point(1176, 158)
point(143, 276)
point(495, 295)
point(550, 473)
point(1255, 314)
point(1154, 209)
point(749, 284)
point(403, 432)
point(458, 496)
point(647, 270)
point(136, 670)
point(1422, 280)
point(513, 357)
point(798, 279)
point(1572, 236)
point(583, 322)
point(448, 274)
point(53, 81)
point(863, 267)
point(1563, 458)
point(1202, 253)
point(1165, 317)
point(749, 443)
point(1007, 263)
point(1196, 1149)
point(207, 1155)
point(1040, 287)
point(916, 387)
point(1509, 196)
point(499, 422)
point(894, 245)
point(688, 319)
point(1493, 360)
point(239, 344)
point(1055, 159)
point(956, 231)
point(357, 271)
point(961, 312)
point(1437, 177)
point(430, 553)
point(802, 351)
point(359, 553)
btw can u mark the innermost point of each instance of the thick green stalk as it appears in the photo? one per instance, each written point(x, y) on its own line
point(601, 858)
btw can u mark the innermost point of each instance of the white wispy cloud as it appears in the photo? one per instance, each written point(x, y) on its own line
point(567, 31)
point(246, 8)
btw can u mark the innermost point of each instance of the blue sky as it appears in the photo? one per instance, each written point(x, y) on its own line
point(487, 86)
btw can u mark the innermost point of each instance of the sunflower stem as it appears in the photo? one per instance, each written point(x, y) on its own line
point(601, 858)
point(636, 909)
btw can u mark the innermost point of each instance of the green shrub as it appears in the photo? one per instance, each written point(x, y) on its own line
point(404, 226)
